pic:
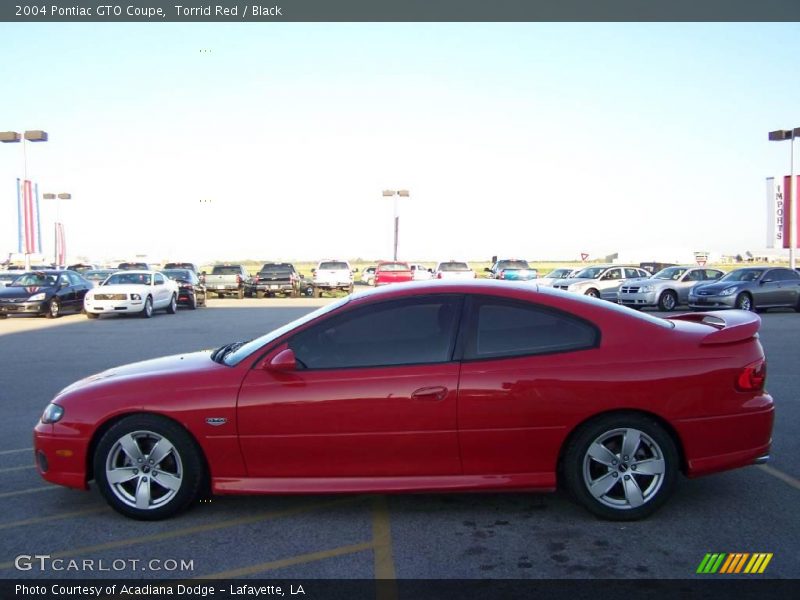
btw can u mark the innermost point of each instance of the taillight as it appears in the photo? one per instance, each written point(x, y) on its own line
point(501, 275)
point(239, 279)
point(438, 276)
point(752, 377)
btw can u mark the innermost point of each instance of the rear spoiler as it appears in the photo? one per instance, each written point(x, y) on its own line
point(731, 325)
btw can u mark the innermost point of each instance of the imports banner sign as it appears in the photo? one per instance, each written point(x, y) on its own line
point(778, 197)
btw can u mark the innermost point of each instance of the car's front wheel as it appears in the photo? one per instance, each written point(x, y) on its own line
point(172, 307)
point(621, 467)
point(744, 302)
point(53, 309)
point(148, 467)
point(667, 301)
point(592, 293)
point(147, 310)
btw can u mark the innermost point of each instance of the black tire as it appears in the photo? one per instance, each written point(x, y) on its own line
point(797, 306)
point(91, 315)
point(744, 301)
point(172, 307)
point(193, 303)
point(53, 309)
point(592, 293)
point(147, 311)
point(623, 492)
point(667, 301)
point(181, 467)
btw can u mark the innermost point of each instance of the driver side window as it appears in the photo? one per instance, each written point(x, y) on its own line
point(418, 330)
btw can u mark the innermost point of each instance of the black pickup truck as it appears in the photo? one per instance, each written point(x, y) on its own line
point(275, 278)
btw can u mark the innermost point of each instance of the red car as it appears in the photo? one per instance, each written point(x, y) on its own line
point(447, 386)
point(393, 272)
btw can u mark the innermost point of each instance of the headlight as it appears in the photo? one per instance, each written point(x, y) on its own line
point(35, 297)
point(728, 291)
point(135, 297)
point(647, 288)
point(52, 414)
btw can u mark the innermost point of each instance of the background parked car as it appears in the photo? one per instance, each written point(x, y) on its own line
point(512, 269)
point(749, 288)
point(453, 269)
point(420, 272)
point(134, 266)
point(227, 280)
point(49, 293)
point(7, 277)
point(393, 272)
point(667, 289)
point(332, 275)
point(555, 275)
point(600, 281)
point(126, 292)
point(274, 278)
point(368, 275)
point(191, 291)
point(181, 265)
point(81, 267)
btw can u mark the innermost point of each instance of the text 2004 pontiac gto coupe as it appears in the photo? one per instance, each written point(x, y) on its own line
point(452, 386)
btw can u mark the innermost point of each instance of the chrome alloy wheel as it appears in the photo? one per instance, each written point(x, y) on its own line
point(623, 468)
point(144, 470)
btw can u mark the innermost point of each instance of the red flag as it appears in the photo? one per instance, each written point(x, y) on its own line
point(30, 219)
point(61, 245)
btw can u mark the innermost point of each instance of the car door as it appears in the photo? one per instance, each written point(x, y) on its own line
point(161, 291)
point(609, 283)
point(374, 395)
point(520, 369)
point(690, 279)
point(65, 292)
point(788, 282)
point(80, 286)
point(767, 290)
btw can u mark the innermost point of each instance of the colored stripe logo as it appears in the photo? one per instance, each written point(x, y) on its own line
point(736, 562)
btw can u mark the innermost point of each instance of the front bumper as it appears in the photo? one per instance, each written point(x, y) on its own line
point(637, 299)
point(712, 302)
point(23, 308)
point(60, 459)
point(99, 307)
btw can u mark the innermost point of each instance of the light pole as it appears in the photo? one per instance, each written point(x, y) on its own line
point(12, 137)
point(59, 240)
point(396, 221)
point(779, 136)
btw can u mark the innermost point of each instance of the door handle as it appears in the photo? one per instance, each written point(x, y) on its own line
point(430, 393)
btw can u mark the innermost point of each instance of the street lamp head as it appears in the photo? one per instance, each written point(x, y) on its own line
point(65, 196)
point(388, 193)
point(36, 135)
point(9, 137)
point(49, 196)
point(780, 135)
point(403, 193)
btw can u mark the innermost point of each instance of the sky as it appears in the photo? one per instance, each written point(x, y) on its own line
point(271, 141)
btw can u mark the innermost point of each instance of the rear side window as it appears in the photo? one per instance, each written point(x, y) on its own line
point(783, 275)
point(506, 328)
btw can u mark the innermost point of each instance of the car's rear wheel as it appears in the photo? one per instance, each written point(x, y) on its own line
point(53, 309)
point(744, 302)
point(592, 293)
point(193, 303)
point(172, 307)
point(621, 467)
point(667, 301)
point(147, 311)
point(148, 467)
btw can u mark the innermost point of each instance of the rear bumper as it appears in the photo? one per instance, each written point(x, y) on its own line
point(711, 302)
point(716, 444)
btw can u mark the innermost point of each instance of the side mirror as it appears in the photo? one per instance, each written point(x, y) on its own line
point(282, 361)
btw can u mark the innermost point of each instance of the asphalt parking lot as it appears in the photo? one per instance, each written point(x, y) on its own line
point(488, 535)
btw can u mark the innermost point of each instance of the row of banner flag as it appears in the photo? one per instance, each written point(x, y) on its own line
point(29, 237)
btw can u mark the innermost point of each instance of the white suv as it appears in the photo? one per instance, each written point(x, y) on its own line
point(332, 275)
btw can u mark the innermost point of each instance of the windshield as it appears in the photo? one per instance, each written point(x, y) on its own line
point(226, 270)
point(277, 268)
point(128, 278)
point(512, 264)
point(333, 266)
point(673, 273)
point(393, 267)
point(35, 279)
point(237, 356)
point(454, 266)
point(590, 272)
point(743, 275)
point(178, 274)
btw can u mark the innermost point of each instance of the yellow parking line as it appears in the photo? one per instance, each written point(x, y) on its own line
point(288, 562)
point(175, 533)
point(786, 478)
point(55, 517)
point(17, 451)
point(10, 469)
point(30, 491)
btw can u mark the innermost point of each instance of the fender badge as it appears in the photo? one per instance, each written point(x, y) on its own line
point(216, 421)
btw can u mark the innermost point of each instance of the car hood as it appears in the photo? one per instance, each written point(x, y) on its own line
point(176, 365)
point(24, 292)
point(123, 288)
point(572, 280)
point(717, 287)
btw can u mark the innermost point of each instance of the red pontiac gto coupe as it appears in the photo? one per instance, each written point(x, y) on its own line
point(443, 385)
